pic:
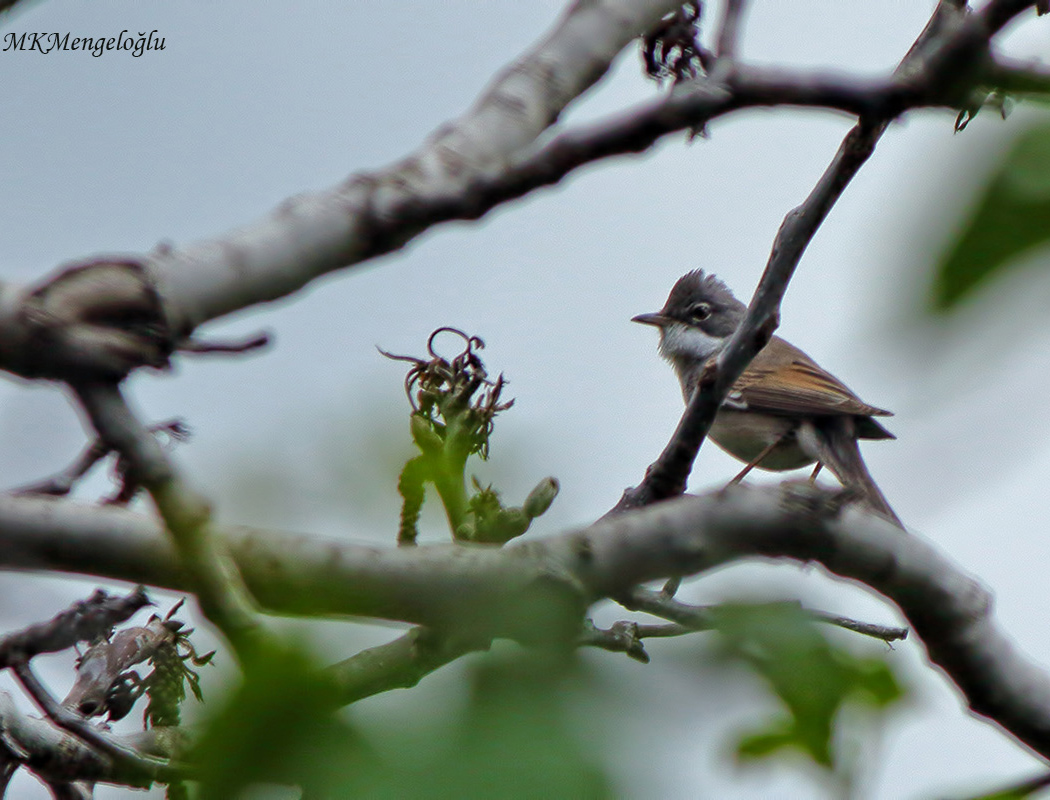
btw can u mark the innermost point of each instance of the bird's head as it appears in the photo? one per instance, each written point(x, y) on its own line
point(700, 313)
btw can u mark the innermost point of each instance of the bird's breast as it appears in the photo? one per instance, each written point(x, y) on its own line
point(745, 434)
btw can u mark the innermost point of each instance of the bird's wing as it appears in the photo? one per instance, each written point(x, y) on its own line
point(790, 382)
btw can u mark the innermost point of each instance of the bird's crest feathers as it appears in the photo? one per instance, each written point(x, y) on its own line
point(697, 285)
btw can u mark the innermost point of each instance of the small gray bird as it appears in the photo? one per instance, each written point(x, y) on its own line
point(784, 412)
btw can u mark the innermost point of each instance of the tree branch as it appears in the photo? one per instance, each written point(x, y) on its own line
point(729, 33)
point(365, 216)
point(139, 770)
point(481, 587)
point(931, 68)
point(667, 476)
point(74, 325)
point(1019, 77)
point(219, 588)
point(699, 618)
point(60, 757)
point(399, 664)
point(84, 621)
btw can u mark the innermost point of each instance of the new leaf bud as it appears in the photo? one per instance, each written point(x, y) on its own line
point(425, 436)
point(540, 498)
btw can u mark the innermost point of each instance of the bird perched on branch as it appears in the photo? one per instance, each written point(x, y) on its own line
point(784, 411)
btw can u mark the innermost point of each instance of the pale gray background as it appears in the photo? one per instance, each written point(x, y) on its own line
point(252, 102)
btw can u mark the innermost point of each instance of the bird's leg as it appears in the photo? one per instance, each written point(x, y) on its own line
point(816, 472)
point(755, 461)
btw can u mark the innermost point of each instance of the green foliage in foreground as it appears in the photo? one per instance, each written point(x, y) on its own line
point(511, 740)
point(813, 679)
point(519, 733)
point(1011, 219)
point(454, 408)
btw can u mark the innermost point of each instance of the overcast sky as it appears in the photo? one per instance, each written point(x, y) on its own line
point(252, 102)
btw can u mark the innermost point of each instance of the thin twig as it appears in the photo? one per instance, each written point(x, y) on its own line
point(199, 346)
point(223, 597)
point(622, 637)
point(729, 33)
point(62, 484)
point(626, 636)
point(667, 476)
point(888, 633)
point(84, 621)
point(701, 618)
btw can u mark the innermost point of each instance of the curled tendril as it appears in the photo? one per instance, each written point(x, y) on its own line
point(438, 373)
point(439, 389)
point(472, 342)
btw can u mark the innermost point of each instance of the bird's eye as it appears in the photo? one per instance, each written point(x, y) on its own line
point(700, 312)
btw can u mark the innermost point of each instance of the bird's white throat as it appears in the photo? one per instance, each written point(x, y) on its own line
point(685, 343)
point(687, 348)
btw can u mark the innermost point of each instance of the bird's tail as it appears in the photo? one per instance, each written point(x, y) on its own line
point(838, 451)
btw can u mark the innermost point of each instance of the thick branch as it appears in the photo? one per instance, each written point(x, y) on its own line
point(141, 770)
point(76, 323)
point(480, 586)
point(371, 214)
point(61, 757)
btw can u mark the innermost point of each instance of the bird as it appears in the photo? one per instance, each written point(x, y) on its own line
point(785, 411)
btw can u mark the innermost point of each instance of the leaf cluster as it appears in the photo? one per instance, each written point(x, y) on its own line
point(454, 405)
point(813, 679)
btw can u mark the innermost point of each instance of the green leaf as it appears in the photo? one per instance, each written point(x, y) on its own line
point(278, 727)
point(779, 733)
point(1012, 218)
point(513, 740)
point(813, 679)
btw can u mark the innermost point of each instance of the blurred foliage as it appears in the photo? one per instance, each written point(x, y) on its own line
point(454, 406)
point(278, 727)
point(512, 740)
point(813, 679)
point(1012, 218)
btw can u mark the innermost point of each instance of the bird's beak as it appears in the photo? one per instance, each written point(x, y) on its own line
point(658, 319)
